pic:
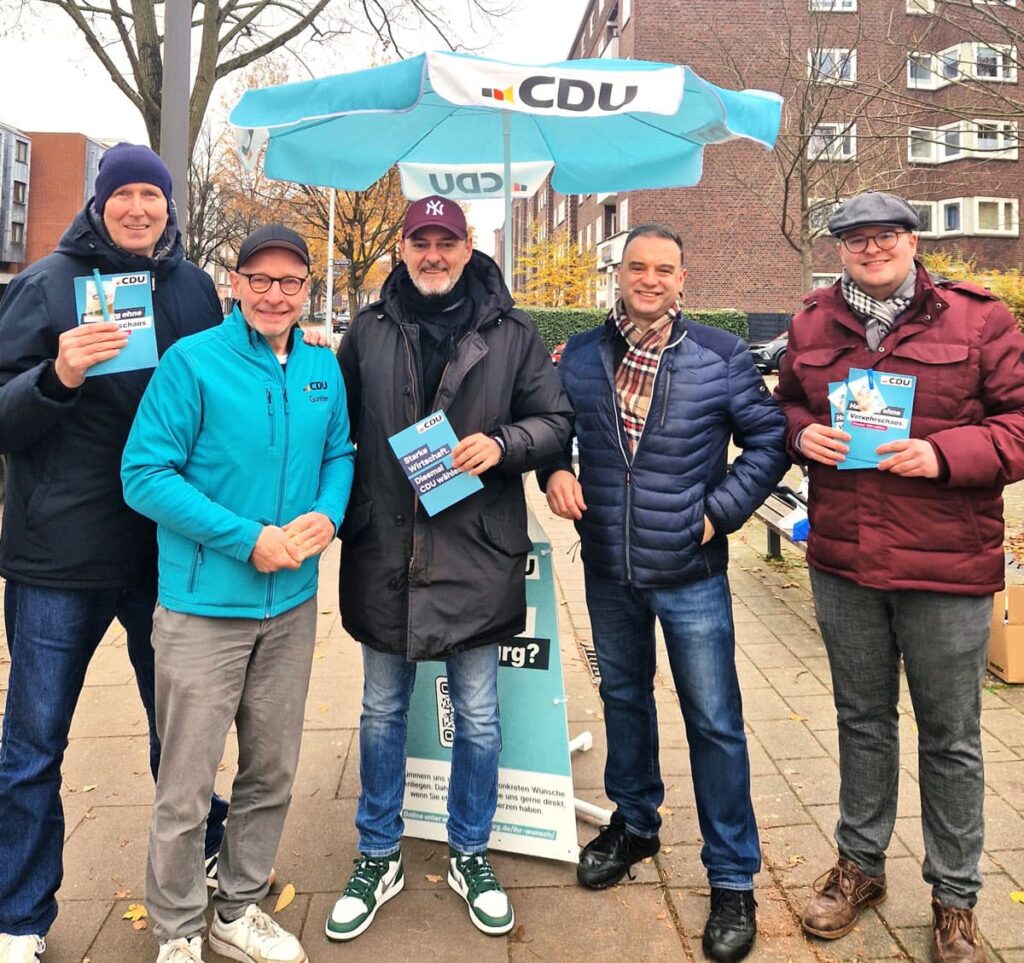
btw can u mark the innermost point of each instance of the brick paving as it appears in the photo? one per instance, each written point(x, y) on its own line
point(657, 916)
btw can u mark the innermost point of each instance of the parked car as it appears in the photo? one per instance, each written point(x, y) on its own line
point(556, 353)
point(340, 323)
point(767, 355)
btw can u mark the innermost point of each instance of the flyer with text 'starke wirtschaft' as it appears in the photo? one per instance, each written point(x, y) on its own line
point(424, 450)
point(126, 299)
point(873, 408)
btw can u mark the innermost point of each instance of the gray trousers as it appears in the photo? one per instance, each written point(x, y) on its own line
point(943, 641)
point(211, 672)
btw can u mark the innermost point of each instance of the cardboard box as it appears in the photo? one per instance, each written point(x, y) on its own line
point(1006, 643)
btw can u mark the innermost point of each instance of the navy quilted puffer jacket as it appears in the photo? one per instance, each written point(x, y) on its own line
point(645, 515)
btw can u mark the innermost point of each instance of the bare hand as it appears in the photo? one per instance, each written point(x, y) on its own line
point(316, 337)
point(709, 531)
point(79, 348)
point(476, 453)
point(824, 443)
point(274, 550)
point(912, 458)
point(310, 533)
point(565, 495)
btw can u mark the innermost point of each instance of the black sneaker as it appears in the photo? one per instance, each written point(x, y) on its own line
point(608, 857)
point(732, 925)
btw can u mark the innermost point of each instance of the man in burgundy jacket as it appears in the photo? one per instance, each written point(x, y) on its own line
point(904, 557)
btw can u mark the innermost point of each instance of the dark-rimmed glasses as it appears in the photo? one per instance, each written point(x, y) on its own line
point(262, 283)
point(884, 241)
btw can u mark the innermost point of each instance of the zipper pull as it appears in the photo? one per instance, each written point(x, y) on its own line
point(270, 403)
point(629, 477)
point(285, 400)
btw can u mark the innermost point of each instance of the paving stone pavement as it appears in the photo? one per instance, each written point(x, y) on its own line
point(657, 916)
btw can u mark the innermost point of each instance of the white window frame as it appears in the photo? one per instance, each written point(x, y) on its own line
point(623, 214)
point(1006, 69)
point(819, 210)
point(995, 3)
point(579, 241)
point(933, 212)
point(1007, 138)
point(839, 56)
point(940, 227)
point(599, 228)
point(626, 11)
point(823, 280)
point(970, 146)
point(832, 6)
point(560, 212)
point(1012, 209)
point(920, 7)
point(827, 152)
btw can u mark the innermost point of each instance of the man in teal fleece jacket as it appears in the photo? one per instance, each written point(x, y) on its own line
point(241, 454)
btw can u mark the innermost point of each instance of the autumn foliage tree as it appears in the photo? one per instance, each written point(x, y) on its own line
point(556, 273)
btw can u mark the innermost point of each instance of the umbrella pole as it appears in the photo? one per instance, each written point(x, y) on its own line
point(506, 136)
point(329, 312)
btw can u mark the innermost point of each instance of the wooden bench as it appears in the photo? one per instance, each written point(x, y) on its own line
point(771, 512)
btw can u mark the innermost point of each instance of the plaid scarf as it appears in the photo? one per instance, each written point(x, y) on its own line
point(634, 379)
point(879, 316)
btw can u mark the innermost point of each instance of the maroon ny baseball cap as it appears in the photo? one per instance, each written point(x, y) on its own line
point(435, 211)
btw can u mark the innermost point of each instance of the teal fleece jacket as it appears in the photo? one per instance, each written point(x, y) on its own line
point(225, 442)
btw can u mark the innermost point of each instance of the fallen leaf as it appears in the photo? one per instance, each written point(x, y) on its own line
point(323, 707)
point(796, 717)
point(135, 912)
point(432, 878)
point(139, 925)
point(121, 894)
point(318, 655)
point(796, 860)
point(89, 788)
point(664, 810)
point(285, 899)
point(661, 916)
point(666, 850)
point(518, 934)
point(90, 815)
point(222, 767)
point(1017, 896)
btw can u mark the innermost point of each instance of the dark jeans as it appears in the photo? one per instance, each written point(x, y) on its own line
point(943, 642)
point(52, 634)
point(696, 619)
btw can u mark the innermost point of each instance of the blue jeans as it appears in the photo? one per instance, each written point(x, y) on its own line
point(942, 641)
point(388, 681)
point(52, 634)
point(696, 619)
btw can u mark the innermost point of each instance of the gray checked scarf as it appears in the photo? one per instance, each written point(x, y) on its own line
point(879, 316)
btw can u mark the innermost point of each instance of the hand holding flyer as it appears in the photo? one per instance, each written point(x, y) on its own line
point(874, 408)
point(127, 300)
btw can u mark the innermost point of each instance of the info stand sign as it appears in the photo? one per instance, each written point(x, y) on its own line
point(536, 814)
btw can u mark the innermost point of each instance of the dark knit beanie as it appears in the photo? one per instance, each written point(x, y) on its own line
point(130, 164)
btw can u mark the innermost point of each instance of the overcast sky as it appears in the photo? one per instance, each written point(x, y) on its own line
point(52, 82)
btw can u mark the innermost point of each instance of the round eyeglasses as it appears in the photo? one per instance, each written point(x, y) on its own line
point(262, 283)
point(884, 241)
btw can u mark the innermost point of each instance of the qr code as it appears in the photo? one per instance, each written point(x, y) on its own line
point(445, 713)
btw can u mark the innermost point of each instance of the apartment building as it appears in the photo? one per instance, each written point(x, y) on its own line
point(15, 160)
point(920, 97)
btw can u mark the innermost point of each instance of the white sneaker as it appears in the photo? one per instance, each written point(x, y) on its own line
point(182, 950)
point(255, 938)
point(21, 949)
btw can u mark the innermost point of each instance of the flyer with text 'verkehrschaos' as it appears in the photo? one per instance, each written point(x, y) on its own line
point(873, 407)
point(127, 300)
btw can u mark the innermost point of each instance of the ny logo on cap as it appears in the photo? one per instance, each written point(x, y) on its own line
point(435, 208)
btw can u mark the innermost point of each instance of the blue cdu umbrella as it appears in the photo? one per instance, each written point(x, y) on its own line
point(463, 125)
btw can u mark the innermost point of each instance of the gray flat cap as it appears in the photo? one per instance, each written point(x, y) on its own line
point(872, 207)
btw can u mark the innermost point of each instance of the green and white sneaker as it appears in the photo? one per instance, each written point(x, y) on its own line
point(471, 876)
point(375, 880)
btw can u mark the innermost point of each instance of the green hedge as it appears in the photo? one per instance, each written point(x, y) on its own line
point(557, 324)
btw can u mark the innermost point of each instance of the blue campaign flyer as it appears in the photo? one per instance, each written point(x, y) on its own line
point(424, 450)
point(128, 300)
point(877, 408)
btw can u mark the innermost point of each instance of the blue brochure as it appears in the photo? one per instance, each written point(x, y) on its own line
point(424, 450)
point(128, 300)
point(874, 408)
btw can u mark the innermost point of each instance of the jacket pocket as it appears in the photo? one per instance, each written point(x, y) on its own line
point(197, 564)
point(357, 517)
point(505, 535)
point(929, 352)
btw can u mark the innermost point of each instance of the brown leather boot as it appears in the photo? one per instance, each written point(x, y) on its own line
point(955, 936)
point(842, 893)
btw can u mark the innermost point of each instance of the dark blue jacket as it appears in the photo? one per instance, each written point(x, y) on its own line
point(65, 522)
point(645, 516)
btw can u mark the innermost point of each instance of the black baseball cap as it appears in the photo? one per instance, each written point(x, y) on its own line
point(272, 235)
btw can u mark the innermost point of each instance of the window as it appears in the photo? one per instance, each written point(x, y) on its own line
point(624, 214)
point(992, 3)
point(835, 6)
point(975, 139)
point(579, 241)
point(627, 11)
point(20, 192)
point(996, 140)
point(919, 70)
point(834, 142)
point(996, 216)
point(926, 217)
point(21, 151)
point(560, 212)
point(951, 217)
point(920, 6)
point(824, 280)
point(598, 226)
point(951, 148)
point(922, 146)
point(588, 237)
point(819, 211)
point(832, 65)
point(994, 63)
point(17, 232)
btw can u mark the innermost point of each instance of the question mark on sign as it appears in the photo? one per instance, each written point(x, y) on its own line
point(534, 651)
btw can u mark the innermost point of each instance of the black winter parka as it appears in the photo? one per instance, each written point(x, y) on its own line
point(423, 586)
point(65, 522)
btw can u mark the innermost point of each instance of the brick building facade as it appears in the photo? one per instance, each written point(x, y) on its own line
point(915, 96)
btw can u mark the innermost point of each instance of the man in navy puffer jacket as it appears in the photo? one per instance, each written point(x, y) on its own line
point(657, 400)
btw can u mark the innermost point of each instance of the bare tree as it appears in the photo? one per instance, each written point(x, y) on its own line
point(126, 37)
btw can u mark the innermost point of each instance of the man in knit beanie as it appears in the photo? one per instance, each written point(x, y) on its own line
point(74, 555)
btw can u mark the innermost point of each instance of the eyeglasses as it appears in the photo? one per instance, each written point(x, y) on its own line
point(884, 241)
point(262, 283)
